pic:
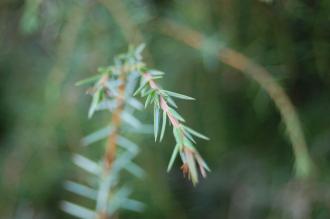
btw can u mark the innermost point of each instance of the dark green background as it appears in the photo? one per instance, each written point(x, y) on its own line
point(43, 115)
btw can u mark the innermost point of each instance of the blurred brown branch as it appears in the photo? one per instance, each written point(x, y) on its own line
point(194, 39)
point(111, 146)
point(66, 45)
point(130, 31)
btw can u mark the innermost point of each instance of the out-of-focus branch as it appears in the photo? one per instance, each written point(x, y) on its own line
point(59, 71)
point(130, 31)
point(111, 146)
point(110, 152)
point(65, 48)
point(194, 39)
point(117, 9)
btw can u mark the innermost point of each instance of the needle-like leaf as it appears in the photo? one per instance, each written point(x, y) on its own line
point(174, 155)
point(197, 134)
point(176, 114)
point(89, 80)
point(142, 85)
point(177, 95)
point(156, 121)
point(95, 101)
point(163, 126)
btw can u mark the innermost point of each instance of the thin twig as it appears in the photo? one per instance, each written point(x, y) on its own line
point(130, 31)
point(115, 123)
point(64, 52)
point(303, 161)
point(111, 146)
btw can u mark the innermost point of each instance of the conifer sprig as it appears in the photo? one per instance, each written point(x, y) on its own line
point(113, 91)
point(162, 100)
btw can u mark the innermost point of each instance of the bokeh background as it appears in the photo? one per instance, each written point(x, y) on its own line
point(48, 45)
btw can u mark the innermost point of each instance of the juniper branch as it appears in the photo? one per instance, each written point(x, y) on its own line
point(162, 100)
point(303, 162)
point(112, 85)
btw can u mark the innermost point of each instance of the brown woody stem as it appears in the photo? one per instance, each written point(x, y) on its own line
point(111, 146)
point(303, 162)
point(110, 151)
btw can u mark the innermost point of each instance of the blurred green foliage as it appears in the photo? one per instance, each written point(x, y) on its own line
point(46, 46)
